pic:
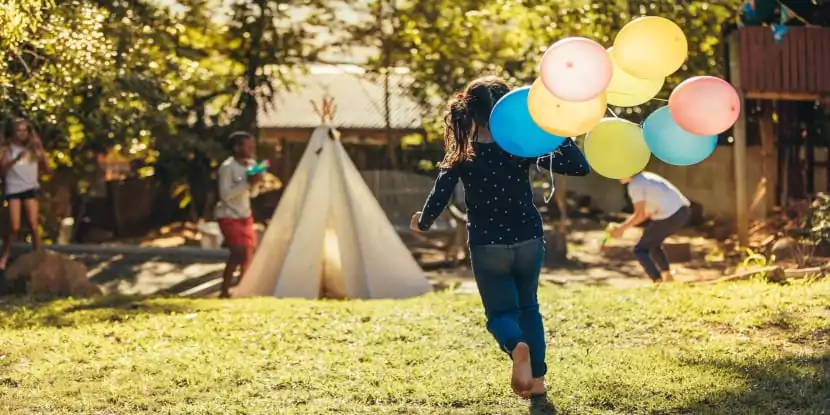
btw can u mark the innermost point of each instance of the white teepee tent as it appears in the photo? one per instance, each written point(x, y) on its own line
point(329, 237)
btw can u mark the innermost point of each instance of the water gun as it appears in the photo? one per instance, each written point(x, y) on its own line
point(607, 237)
point(604, 241)
point(260, 168)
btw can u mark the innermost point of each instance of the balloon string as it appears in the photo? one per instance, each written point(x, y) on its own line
point(552, 181)
point(612, 112)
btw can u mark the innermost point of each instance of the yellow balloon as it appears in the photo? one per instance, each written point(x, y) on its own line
point(628, 91)
point(616, 148)
point(560, 117)
point(651, 47)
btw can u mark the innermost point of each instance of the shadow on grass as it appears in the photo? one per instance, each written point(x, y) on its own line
point(785, 385)
point(791, 385)
point(24, 313)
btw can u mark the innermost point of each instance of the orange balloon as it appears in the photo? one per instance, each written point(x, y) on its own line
point(563, 118)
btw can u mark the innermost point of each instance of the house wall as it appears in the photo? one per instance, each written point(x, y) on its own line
point(710, 183)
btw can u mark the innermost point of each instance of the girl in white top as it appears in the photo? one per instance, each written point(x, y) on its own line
point(22, 159)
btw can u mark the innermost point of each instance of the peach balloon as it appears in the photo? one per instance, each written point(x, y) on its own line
point(705, 105)
point(576, 69)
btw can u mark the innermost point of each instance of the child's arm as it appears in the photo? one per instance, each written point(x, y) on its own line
point(438, 198)
point(5, 161)
point(638, 197)
point(567, 159)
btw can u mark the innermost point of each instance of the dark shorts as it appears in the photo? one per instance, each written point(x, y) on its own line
point(658, 231)
point(29, 194)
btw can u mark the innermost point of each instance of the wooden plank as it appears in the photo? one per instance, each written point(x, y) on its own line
point(739, 145)
point(786, 63)
point(748, 71)
point(810, 59)
point(815, 59)
point(822, 59)
point(757, 61)
point(756, 55)
point(822, 39)
point(783, 96)
point(772, 53)
point(807, 66)
point(819, 51)
point(798, 59)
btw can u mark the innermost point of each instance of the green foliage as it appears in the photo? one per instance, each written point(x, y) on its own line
point(159, 87)
point(446, 44)
point(748, 348)
point(18, 20)
point(817, 224)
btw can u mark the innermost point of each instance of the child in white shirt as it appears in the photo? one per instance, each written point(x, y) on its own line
point(233, 211)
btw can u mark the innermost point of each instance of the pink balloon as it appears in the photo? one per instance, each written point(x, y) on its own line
point(705, 105)
point(576, 69)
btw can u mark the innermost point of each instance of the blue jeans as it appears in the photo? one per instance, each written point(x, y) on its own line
point(508, 278)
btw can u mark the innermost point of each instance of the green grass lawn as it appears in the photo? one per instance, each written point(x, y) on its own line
point(747, 348)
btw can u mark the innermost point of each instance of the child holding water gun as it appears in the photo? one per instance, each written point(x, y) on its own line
point(238, 177)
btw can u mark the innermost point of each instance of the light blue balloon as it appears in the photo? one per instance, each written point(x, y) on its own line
point(674, 145)
point(515, 132)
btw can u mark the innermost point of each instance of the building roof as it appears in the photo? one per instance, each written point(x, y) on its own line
point(358, 99)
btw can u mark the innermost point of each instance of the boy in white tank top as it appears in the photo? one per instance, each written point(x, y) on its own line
point(22, 159)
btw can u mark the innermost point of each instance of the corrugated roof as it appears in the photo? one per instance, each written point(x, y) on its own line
point(358, 98)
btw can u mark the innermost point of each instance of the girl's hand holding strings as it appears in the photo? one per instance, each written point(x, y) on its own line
point(413, 223)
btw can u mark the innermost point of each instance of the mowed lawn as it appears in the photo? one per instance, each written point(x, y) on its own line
point(747, 348)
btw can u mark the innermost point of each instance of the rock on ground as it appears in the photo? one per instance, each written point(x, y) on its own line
point(49, 274)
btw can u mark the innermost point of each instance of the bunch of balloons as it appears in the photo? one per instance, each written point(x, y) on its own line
point(579, 78)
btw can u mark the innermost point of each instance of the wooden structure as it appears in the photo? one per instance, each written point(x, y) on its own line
point(796, 69)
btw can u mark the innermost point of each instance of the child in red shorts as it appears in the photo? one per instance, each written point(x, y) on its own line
point(233, 211)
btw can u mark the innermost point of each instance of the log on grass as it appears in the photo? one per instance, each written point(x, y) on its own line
point(772, 273)
point(775, 273)
point(807, 272)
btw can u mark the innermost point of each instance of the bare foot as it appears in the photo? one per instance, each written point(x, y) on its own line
point(668, 276)
point(538, 387)
point(522, 379)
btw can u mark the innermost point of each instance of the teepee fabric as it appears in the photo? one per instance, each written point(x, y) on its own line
point(329, 237)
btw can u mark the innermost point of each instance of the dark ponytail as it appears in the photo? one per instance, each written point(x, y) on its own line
point(458, 126)
point(466, 110)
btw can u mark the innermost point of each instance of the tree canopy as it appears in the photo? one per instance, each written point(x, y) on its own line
point(447, 43)
point(163, 83)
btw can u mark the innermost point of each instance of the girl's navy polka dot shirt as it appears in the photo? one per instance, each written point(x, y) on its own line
point(500, 209)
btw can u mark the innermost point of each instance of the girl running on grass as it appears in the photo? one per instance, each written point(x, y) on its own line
point(506, 242)
point(22, 159)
